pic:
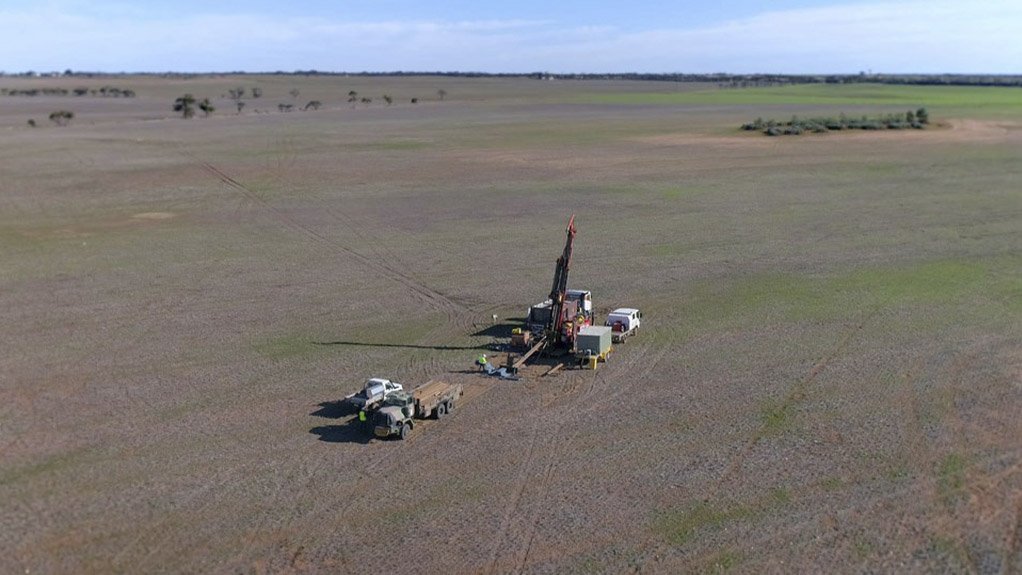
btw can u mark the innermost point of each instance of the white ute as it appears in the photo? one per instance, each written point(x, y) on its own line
point(372, 395)
point(624, 322)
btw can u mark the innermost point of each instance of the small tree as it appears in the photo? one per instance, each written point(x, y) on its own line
point(285, 107)
point(257, 92)
point(910, 117)
point(61, 117)
point(388, 99)
point(31, 122)
point(240, 105)
point(237, 93)
point(207, 107)
point(313, 105)
point(294, 92)
point(352, 98)
point(415, 100)
point(441, 93)
point(186, 105)
point(922, 116)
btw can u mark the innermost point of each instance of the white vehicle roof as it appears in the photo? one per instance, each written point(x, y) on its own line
point(377, 381)
point(624, 311)
point(578, 292)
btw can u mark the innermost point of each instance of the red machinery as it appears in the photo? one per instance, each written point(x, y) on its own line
point(566, 316)
point(560, 287)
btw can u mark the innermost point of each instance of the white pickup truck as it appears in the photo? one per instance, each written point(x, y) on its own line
point(372, 395)
point(624, 322)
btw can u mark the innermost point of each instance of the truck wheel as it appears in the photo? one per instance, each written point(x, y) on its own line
point(441, 410)
point(450, 406)
point(405, 431)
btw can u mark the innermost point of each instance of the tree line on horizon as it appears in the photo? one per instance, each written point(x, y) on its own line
point(103, 92)
point(721, 78)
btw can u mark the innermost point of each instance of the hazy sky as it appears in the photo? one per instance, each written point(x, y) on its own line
point(794, 36)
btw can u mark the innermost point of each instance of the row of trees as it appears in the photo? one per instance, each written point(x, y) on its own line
point(917, 119)
point(187, 104)
point(104, 92)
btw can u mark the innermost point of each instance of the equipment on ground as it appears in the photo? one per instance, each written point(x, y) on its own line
point(399, 412)
point(592, 345)
point(521, 338)
point(371, 396)
point(624, 322)
point(501, 372)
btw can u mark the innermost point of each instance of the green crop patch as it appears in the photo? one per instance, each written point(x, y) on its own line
point(927, 282)
point(775, 419)
point(680, 526)
point(832, 484)
point(776, 298)
point(988, 99)
point(951, 478)
point(388, 145)
point(288, 347)
point(725, 561)
point(51, 465)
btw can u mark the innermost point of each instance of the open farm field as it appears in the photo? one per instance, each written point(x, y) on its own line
point(829, 374)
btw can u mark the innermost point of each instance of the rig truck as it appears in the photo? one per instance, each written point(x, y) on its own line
point(399, 412)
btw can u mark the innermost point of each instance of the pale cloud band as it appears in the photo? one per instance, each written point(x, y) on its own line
point(895, 36)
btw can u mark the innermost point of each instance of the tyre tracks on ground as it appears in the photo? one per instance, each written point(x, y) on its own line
point(431, 297)
point(550, 441)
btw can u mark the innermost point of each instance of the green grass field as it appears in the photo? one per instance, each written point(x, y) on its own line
point(949, 100)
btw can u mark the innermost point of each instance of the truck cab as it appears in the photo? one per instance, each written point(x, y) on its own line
point(395, 417)
point(578, 304)
point(583, 300)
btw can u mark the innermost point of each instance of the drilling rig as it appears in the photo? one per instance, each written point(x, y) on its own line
point(569, 309)
point(557, 320)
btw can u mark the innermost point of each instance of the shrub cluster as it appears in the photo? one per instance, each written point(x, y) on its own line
point(60, 118)
point(917, 119)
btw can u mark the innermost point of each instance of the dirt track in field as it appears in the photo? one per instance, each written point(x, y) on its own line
point(828, 377)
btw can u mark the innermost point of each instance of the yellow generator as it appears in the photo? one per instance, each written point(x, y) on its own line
point(593, 345)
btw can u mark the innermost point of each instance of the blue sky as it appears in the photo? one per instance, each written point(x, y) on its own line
point(739, 36)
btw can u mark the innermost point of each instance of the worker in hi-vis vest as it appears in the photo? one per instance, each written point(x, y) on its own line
point(481, 362)
point(362, 416)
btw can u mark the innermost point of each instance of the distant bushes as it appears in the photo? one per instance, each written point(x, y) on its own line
point(917, 119)
point(61, 117)
point(104, 92)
